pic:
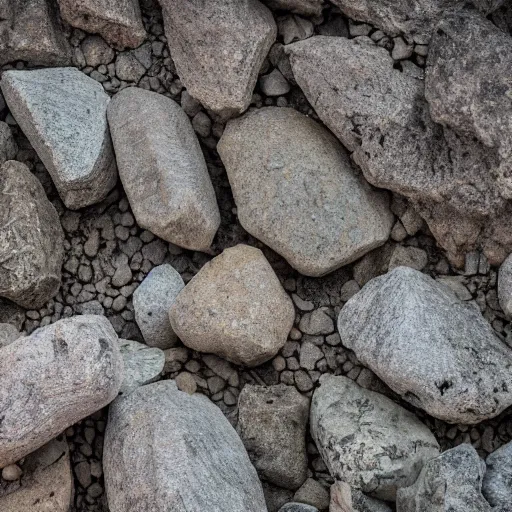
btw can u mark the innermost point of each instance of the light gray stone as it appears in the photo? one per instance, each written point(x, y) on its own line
point(31, 239)
point(8, 334)
point(218, 48)
point(294, 28)
point(63, 113)
point(312, 493)
point(97, 51)
point(505, 286)
point(234, 307)
point(452, 481)
point(167, 450)
point(274, 84)
point(285, 171)
point(52, 379)
point(346, 499)
point(163, 169)
point(152, 301)
point(297, 507)
point(305, 7)
point(367, 440)
point(497, 482)
point(412, 257)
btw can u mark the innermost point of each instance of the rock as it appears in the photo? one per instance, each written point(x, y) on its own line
point(412, 257)
point(366, 439)
point(272, 424)
point(11, 313)
point(294, 28)
point(287, 171)
point(305, 7)
point(186, 382)
point(317, 322)
point(234, 307)
point(30, 31)
point(163, 169)
point(63, 114)
point(275, 496)
point(274, 84)
point(152, 301)
point(47, 483)
point(128, 68)
point(497, 482)
point(218, 48)
point(505, 286)
point(142, 365)
point(8, 147)
point(12, 473)
point(8, 334)
point(458, 370)
point(97, 51)
point(118, 21)
point(346, 499)
point(297, 507)
point(31, 239)
point(312, 493)
point(78, 357)
point(187, 455)
point(452, 481)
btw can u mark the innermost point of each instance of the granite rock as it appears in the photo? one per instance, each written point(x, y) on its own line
point(505, 286)
point(8, 334)
point(304, 7)
point(497, 482)
point(346, 499)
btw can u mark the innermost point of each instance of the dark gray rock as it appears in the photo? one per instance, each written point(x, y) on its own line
point(505, 286)
point(8, 146)
point(8, 334)
point(304, 7)
point(297, 507)
point(497, 483)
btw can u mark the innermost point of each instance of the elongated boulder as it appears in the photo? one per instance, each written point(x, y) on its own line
point(54, 378)
point(366, 439)
point(31, 239)
point(218, 48)
point(234, 307)
point(167, 450)
point(305, 7)
point(296, 190)
point(430, 347)
point(162, 168)
point(497, 482)
point(63, 113)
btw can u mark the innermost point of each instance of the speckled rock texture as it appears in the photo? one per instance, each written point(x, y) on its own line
point(8, 334)
point(54, 378)
point(163, 169)
point(31, 239)
point(8, 146)
point(285, 171)
point(452, 481)
point(167, 450)
point(304, 7)
point(434, 350)
point(497, 482)
point(366, 439)
point(242, 31)
point(234, 307)
point(297, 507)
point(346, 499)
point(63, 113)
point(505, 286)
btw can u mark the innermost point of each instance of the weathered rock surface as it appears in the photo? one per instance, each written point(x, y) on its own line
point(152, 301)
point(431, 348)
point(31, 239)
point(241, 31)
point(8, 146)
point(346, 499)
point(63, 113)
point(234, 307)
point(497, 482)
point(366, 439)
point(54, 378)
point(118, 21)
point(272, 424)
point(305, 7)
point(505, 286)
point(163, 169)
point(452, 481)
point(285, 171)
point(167, 450)
point(8, 334)
point(297, 507)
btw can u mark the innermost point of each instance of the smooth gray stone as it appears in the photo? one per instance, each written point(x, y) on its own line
point(167, 450)
point(497, 483)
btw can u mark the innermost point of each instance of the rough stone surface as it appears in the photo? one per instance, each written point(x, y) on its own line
point(163, 169)
point(234, 307)
point(272, 424)
point(452, 481)
point(8, 147)
point(152, 301)
point(297, 507)
point(312, 493)
point(31, 239)
point(8, 334)
point(287, 171)
point(505, 286)
point(431, 348)
point(242, 31)
point(305, 7)
point(63, 113)
point(346, 499)
point(497, 482)
point(367, 440)
point(167, 450)
point(77, 356)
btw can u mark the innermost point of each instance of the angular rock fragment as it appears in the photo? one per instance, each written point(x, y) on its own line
point(305, 7)
point(63, 113)
point(54, 378)
point(218, 48)
point(497, 482)
point(167, 450)
point(163, 169)
point(234, 307)
point(31, 239)
point(431, 348)
point(346, 499)
point(367, 440)
point(118, 21)
point(287, 171)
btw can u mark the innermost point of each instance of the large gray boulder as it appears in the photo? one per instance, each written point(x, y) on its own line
point(497, 482)
point(452, 481)
point(431, 348)
point(162, 168)
point(31, 239)
point(304, 7)
point(366, 439)
point(167, 450)
point(63, 113)
point(218, 48)
point(297, 191)
point(54, 378)
point(234, 307)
